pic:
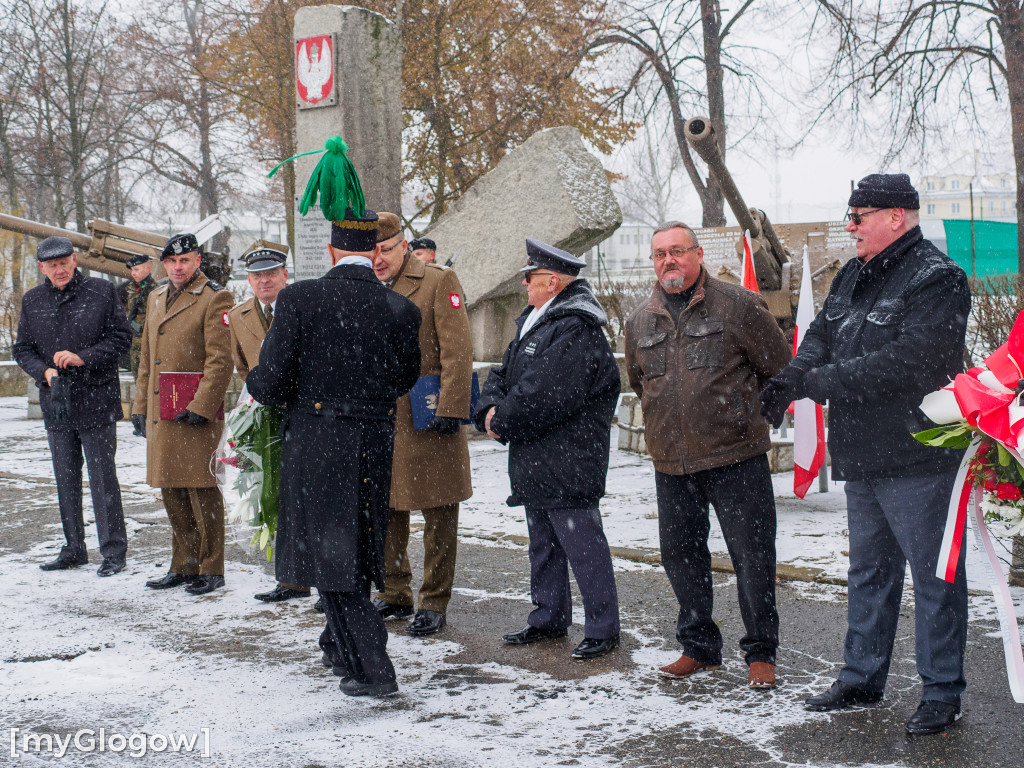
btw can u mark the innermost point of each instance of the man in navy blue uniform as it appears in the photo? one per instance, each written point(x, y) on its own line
point(71, 333)
point(552, 401)
point(340, 352)
point(891, 331)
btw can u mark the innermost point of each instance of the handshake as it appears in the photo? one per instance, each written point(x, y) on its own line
point(791, 384)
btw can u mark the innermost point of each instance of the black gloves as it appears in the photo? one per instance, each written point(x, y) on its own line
point(139, 423)
point(779, 392)
point(192, 419)
point(444, 425)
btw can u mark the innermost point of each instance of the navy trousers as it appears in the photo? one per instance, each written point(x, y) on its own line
point(893, 521)
point(355, 638)
point(560, 538)
point(99, 446)
point(744, 501)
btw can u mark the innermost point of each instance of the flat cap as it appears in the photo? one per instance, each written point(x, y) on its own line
point(423, 242)
point(263, 259)
point(136, 261)
point(543, 256)
point(54, 248)
point(885, 190)
point(183, 242)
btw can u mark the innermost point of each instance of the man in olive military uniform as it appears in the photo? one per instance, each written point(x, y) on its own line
point(249, 322)
point(424, 249)
point(70, 334)
point(186, 332)
point(134, 295)
point(430, 471)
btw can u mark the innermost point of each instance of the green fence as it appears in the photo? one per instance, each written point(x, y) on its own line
point(995, 246)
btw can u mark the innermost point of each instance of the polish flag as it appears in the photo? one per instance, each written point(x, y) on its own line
point(749, 278)
point(808, 422)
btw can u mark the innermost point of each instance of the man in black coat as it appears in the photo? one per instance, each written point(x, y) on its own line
point(71, 332)
point(358, 343)
point(891, 331)
point(552, 401)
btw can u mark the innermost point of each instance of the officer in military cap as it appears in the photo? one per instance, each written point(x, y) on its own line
point(424, 249)
point(267, 274)
point(70, 334)
point(552, 401)
point(134, 294)
point(186, 332)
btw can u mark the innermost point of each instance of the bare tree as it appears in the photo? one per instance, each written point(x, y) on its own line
point(921, 56)
point(648, 192)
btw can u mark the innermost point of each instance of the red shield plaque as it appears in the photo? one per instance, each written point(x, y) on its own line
point(314, 71)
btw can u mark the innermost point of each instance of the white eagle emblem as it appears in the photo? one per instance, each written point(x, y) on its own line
point(314, 68)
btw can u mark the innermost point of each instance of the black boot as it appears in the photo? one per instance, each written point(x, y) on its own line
point(841, 696)
point(66, 560)
point(932, 717)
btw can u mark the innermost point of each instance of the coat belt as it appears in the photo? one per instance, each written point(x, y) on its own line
point(349, 408)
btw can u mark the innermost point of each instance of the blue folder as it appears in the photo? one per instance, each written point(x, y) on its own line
point(423, 399)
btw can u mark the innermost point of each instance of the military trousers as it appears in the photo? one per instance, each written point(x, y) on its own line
point(99, 446)
point(744, 502)
point(197, 527)
point(440, 543)
point(560, 538)
point(893, 521)
point(355, 638)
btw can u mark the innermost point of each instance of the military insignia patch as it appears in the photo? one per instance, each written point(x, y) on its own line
point(225, 320)
point(455, 300)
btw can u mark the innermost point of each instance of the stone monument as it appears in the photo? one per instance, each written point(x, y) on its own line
point(348, 83)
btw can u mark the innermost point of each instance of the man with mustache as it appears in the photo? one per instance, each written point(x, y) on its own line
point(697, 354)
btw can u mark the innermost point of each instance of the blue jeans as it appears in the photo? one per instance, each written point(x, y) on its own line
point(893, 521)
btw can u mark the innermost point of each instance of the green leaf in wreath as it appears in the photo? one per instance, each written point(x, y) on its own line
point(957, 436)
point(264, 537)
point(1004, 456)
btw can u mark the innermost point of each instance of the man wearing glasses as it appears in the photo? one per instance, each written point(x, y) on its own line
point(697, 354)
point(891, 331)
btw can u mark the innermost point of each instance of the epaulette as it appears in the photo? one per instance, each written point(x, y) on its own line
point(442, 267)
point(215, 285)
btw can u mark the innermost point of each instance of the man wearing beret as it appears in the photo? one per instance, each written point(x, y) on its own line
point(697, 353)
point(430, 470)
point(249, 322)
point(341, 351)
point(187, 335)
point(134, 295)
point(552, 401)
point(71, 332)
point(424, 249)
point(891, 331)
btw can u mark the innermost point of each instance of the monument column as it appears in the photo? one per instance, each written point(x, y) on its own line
point(348, 83)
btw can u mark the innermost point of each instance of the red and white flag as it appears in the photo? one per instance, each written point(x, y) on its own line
point(808, 421)
point(749, 278)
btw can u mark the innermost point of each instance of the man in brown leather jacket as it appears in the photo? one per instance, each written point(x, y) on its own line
point(697, 353)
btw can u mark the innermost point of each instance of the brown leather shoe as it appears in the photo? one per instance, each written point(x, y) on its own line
point(762, 675)
point(684, 667)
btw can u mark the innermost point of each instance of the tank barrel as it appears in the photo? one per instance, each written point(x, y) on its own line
point(701, 136)
point(35, 229)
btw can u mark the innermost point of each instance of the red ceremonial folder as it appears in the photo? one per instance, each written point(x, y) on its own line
point(177, 388)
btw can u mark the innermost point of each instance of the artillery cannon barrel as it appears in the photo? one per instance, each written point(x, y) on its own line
point(701, 136)
point(35, 229)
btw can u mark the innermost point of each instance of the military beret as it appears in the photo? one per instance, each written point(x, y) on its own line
point(885, 190)
point(54, 248)
point(136, 261)
point(263, 259)
point(388, 225)
point(185, 242)
point(423, 242)
point(355, 234)
point(543, 256)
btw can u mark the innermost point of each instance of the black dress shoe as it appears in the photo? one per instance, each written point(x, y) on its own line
point(318, 606)
point(840, 696)
point(426, 623)
point(110, 566)
point(932, 717)
point(390, 610)
point(531, 634)
point(591, 648)
point(279, 593)
point(64, 561)
point(170, 580)
point(352, 687)
point(205, 584)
